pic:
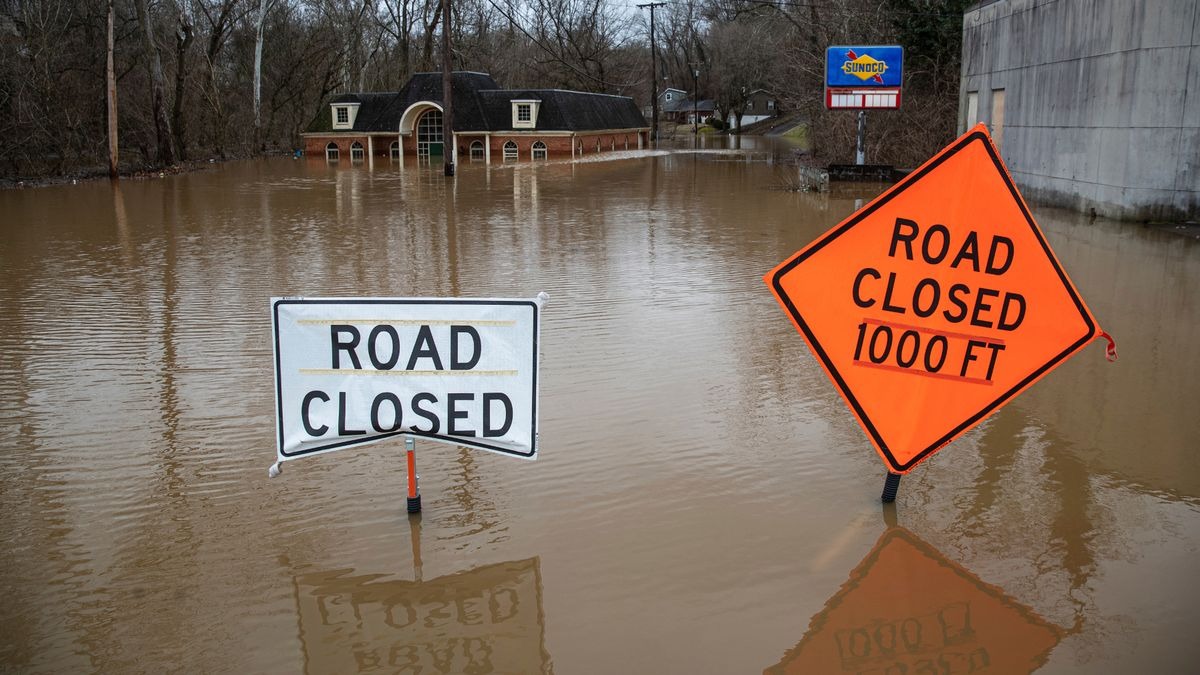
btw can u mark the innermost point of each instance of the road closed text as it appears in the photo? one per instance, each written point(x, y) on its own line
point(385, 352)
point(903, 341)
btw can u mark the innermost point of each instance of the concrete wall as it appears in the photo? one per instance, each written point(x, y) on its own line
point(1101, 103)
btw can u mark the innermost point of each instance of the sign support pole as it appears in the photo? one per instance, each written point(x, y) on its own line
point(414, 487)
point(860, 155)
point(414, 528)
point(891, 485)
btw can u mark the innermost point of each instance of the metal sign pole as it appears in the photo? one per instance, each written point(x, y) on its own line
point(860, 157)
point(891, 485)
point(414, 487)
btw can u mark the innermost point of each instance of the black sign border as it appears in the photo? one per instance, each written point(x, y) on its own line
point(456, 440)
point(909, 181)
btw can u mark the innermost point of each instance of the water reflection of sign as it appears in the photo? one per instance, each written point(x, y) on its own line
point(486, 620)
point(356, 370)
point(936, 304)
point(907, 609)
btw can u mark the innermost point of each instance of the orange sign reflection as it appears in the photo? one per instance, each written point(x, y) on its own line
point(908, 610)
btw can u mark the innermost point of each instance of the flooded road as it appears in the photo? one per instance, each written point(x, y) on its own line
point(703, 501)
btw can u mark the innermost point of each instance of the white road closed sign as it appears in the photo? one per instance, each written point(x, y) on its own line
point(350, 371)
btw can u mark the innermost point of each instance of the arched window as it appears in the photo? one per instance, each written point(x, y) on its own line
point(626, 141)
point(331, 152)
point(539, 150)
point(510, 151)
point(612, 143)
point(429, 134)
point(394, 151)
point(356, 152)
point(476, 151)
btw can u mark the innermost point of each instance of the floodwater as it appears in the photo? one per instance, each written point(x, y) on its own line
point(703, 501)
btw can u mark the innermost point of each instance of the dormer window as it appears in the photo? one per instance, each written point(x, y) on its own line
point(668, 97)
point(344, 114)
point(524, 113)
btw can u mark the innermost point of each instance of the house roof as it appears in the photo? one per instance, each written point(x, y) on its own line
point(686, 106)
point(481, 105)
point(560, 110)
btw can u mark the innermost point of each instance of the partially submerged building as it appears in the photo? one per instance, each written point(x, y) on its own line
point(489, 123)
point(1093, 105)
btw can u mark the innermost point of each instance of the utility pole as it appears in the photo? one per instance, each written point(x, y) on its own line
point(695, 101)
point(447, 93)
point(653, 72)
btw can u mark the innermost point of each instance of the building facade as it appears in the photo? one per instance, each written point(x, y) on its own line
point(489, 123)
point(1094, 104)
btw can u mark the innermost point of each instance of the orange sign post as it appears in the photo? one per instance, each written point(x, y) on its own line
point(935, 304)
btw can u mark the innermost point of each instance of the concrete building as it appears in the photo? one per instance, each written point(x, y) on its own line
point(1094, 104)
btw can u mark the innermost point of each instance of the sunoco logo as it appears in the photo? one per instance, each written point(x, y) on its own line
point(864, 67)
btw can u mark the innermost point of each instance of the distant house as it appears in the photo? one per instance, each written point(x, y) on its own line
point(490, 123)
point(687, 110)
point(760, 105)
point(668, 100)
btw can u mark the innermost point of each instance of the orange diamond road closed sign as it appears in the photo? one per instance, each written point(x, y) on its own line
point(935, 304)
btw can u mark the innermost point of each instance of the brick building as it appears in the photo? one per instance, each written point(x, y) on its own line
point(490, 123)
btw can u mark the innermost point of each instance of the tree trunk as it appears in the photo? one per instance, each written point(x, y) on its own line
point(258, 53)
point(111, 89)
point(183, 40)
point(162, 125)
point(427, 49)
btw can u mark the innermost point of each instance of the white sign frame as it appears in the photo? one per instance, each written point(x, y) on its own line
point(296, 359)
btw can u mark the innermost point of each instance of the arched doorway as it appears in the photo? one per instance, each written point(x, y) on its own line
point(429, 135)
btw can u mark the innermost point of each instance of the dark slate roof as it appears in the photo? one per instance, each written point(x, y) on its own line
point(428, 87)
point(481, 105)
point(559, 110)
point(371, 108)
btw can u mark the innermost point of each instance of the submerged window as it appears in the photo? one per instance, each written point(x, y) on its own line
point(539, 150)
point(356, 152)
point(394, 151)
point(476, 151)
point(510, 151)
point(331, 152)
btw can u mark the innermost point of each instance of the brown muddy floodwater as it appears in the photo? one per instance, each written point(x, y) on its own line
point(703, 501)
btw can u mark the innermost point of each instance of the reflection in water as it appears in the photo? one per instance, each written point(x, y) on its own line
point(485, 620)
point(907, 609)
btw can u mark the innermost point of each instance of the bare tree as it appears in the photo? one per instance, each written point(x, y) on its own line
point(259, 26)
point(162, 125)
point(110, 79)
